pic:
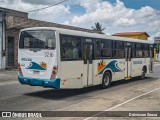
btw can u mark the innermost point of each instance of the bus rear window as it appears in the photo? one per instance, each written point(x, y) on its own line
point(41, 39)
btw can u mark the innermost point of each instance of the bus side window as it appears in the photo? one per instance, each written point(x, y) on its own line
point(133, 50)
point(69, 53)
point(98, 47)
point(138, 50)
point(76, 47)
point(70, 47)
point(118, 49)
point(106, 49)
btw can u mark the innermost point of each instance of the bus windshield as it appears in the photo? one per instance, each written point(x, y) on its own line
point(41, 39)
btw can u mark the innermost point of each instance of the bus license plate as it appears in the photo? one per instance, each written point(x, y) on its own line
point(36, 72)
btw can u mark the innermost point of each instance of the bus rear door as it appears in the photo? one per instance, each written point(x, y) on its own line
point(128, 62)
point(88, 64)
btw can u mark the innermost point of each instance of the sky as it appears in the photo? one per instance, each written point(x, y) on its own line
point(114, 15)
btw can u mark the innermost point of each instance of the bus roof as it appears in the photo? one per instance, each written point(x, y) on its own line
point(86, 34)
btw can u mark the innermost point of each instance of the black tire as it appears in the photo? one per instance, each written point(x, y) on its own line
point(143, 74)
point(106, 80)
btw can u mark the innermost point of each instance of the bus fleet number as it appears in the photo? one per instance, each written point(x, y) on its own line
point(48, 54)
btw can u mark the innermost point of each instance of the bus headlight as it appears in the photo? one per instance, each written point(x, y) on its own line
point(54, 72)
point(20, 70)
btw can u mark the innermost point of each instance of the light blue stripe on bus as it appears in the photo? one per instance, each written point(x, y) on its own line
point(40, 82)
point(113, 65)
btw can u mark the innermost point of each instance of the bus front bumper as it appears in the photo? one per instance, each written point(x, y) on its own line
point(40, 82)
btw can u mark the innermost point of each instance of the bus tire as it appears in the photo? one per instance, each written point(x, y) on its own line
point(143, 73)
point(106, 80)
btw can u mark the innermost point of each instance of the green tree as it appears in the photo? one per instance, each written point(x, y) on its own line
point(98, 27)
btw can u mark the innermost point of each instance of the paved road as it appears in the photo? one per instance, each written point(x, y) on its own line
point(16, 97)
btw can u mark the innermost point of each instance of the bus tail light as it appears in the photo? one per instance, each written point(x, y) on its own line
point(20, 70)
point(54, 72)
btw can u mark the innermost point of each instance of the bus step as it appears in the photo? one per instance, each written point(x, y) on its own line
point(127, 78)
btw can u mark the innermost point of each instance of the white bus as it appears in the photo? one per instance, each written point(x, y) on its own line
point(62, 58)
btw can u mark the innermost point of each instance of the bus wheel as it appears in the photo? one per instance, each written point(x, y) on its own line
point(143, 74)
point(106, 80)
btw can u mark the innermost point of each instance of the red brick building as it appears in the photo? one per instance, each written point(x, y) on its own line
point(17, 20)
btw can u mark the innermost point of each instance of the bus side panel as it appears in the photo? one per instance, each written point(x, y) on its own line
point(116, 66)
point(118, 75)
point(70, 74)
point(97, 79)
point(137, 66)
point(148, 64)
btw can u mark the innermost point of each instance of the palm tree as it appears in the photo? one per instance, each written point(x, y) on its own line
point(98, 27)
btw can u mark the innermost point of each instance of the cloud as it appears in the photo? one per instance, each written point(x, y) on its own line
point(117, 18)
point(104, 12)
point(57, 10)
point(18, 5)
point(8, 1)
point(124, 22)
point(144, 12)
point(90, 5)
point(157, 34)
point(41, 2)
point(51, 14)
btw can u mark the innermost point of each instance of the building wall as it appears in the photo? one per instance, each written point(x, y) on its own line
point(15, 34)
point(130, 36)
point(17, 21)
point(142, 36)
point(2, 40)
point(6, 18)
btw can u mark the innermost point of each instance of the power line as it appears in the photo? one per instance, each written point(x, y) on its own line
point(49, 6)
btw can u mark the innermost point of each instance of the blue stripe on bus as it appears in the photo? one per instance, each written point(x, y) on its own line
point(40, 82)
point(35, 66)
point(113, 65)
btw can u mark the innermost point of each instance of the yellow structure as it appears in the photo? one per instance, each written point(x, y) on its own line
point(135, 35)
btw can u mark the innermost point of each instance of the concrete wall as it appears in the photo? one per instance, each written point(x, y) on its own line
point(17, 21)
point(10, 26)
point(2, 41)
point(15, 34)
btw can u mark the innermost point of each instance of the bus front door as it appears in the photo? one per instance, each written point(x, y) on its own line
point(128, 62)
point(87, 67)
